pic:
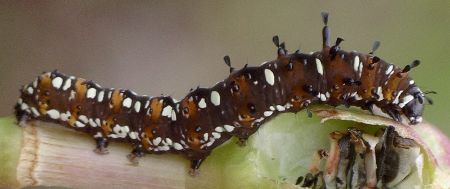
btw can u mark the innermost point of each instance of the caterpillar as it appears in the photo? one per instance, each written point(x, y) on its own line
point(234, 107)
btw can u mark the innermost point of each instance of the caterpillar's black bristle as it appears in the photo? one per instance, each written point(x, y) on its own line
point(325, 31)
point(375, 59)
point(282, 46)
point(375, 46)
point(408, 67)
point(276, 41)
point(338, 41)
point(227, 61)
point(324, 17)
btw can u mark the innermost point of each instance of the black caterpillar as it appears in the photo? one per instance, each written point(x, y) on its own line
point(237, 106)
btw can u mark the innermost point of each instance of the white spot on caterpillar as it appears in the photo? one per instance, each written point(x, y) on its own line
point(380, 94)
point(174, 115)
point(255, 82)
point(167, 111)
point(92, 123)
point(91, 92)
point(411, 82)
point(83, 118)
point(30, 90)
point(98, 135)
point(127, 103)
point(270, 78)
point(272, 108)
point(396, 97)
point(219, 129)
point(147, 103)
point(112, 136)
point(215, 98)
point(268, 113)
point(210, 142)
point(110, 94)
point(361, 65)
point(19, 101)
point(169, 141)
point(35, 112)
point(121, 131)
point(205, 136)
point(419, 119)
point(54, 114)
point(133, 135)
point(280, 108)
point(356, 63)
point(35, 83)
point(24, 106)
point(240, 117)
point(288, 105)
point(72, 95)
point(319, 66)
point(164, 148)
point(405, 100)
point(57, 82)
point(389, 69)
point(202, 103)
point(216, 135)
point(97, 120)
point(323, 97)
point(65, 116)
point(79, 124)
point(156, 141)
point(327, 94)
point(100, 96)
point(228, 128)
point(67, 84)
point(137, 106)
point(358, 97)
point(177, 146)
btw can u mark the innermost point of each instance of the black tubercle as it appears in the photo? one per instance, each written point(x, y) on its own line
point(375, 46)
point(408, 67)
point(325, 30)
point(334, 49)
point(351, 81)
point(281, 48)
point(324, 17)
point(251, 107)
point(375, 60)
point(227, 61)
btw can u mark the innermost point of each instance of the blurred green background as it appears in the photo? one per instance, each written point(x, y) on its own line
point(168, 47)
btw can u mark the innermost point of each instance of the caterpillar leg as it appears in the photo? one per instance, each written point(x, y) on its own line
point(369, 106)
point(242, 142)
point(135, 155)
point(195, 164)
point(102, 146)
point(394, 114)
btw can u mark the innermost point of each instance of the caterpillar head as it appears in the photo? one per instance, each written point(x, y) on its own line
point(412, 105)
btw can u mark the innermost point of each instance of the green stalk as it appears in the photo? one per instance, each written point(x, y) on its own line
point(274, 157)
point(10, 145)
